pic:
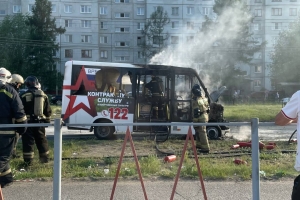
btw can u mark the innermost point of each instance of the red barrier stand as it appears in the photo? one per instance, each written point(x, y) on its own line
point(128, 136)
point(189, 137)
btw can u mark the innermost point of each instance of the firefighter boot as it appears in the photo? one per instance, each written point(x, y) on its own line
point(28, 161)
point(44, 159)
point(6, 180)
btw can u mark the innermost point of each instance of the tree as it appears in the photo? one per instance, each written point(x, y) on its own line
point(235, 47)
point(153, 33)
point(13, 42)
point(285, 58)
point(41, 55)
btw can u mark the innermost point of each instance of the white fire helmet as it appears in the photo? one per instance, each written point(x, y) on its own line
point(16, 78)
point(5, 76)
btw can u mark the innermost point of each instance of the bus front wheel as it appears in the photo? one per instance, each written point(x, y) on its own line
point(104, 132)
point(213, 132)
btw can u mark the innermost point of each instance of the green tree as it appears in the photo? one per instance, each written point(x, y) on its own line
point(285, 58)
point(153, 33)
point(41, 55)
point(13, 43)
point(229, 52)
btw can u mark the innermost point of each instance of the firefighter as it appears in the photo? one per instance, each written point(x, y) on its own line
point(11, 108)
point(155, 86)
point(38, 110)
point(16, 81)
point(200, 108)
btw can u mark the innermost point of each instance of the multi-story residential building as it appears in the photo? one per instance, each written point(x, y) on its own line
point(111, 30)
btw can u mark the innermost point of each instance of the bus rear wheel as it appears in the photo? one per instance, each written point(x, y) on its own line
point(104, 132)
point(213, 132)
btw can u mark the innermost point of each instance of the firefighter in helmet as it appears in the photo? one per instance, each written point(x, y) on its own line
point(38, 110)
point(200, 108)
point(16, 81)
point(155, 86)
point(11, 108)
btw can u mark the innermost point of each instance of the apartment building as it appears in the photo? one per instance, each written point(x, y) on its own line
point(111, 30)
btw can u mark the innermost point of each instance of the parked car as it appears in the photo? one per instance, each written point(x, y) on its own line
point(56, 100)
point(285, 100)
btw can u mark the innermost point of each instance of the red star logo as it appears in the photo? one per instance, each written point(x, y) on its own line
point(70, 109)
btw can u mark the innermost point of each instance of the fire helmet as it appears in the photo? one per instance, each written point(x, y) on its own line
point(16, 78)
point(5, 76)
point(31, 81)
point(196, 90)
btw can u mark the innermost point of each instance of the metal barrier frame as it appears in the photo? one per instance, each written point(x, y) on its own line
point(58, 146)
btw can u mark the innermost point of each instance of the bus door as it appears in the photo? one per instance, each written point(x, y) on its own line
point(181, 101)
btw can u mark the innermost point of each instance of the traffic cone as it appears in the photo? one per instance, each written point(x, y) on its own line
point(170, 158)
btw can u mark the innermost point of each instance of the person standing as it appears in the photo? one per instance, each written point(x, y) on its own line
point(38, 110)
point(16, 81)
point(156, 88)
point(200, 109)
point(11, 108)
point(290, 113)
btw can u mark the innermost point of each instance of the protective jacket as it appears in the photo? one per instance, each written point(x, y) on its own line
point(155, 86)
point(11, 108)
point(200, 108)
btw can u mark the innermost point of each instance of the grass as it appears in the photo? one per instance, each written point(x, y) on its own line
point(275, 165)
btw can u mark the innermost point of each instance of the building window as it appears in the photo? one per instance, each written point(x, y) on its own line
point(189, 38)
point(2, 12)
point(175, 10)
point(255, 27)
point(257, 55)
point(274, 40)
point(103, 25)
point(68, 53)
point(257, 13)
point(258, 1)
point(190, 25)
point(53, 8)
point(140, 26)
point(276, 0)
point(122, 44)
point(257, 83)
point(122, 15)
point(206, 10)
point(141, 54)
point(103, 54)
point(276, 11)
point(122, 30)
point(68, 23)
point(293, 0)
point(174, 39)
point(86, 23)
point(103, 39)
point(258, 69)
point(121, 1)
point(103, 10)
point(86, 53)
point(276, 26)
point(30, 6)
point(157, 40)
point(140, 40)
point(68, 8)
point(190, 10)
point(156, 8)
point(16, 8)
point(175, 25)
point(140, 11)
point(68, 38)
point(257, 41)
point(293, 11)
point(85, 9)
point(86, 38)
point(122, 58)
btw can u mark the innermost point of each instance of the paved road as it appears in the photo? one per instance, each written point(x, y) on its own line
point(269, 133)
point(155, 189)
